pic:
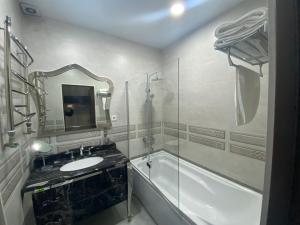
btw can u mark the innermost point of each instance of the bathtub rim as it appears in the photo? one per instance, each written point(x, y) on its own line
point(206, 172)
point(215, 173)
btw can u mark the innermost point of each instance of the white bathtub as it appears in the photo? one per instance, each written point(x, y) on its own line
point(204, 197)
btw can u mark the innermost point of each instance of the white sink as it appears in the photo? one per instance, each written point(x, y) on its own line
point(81, 164)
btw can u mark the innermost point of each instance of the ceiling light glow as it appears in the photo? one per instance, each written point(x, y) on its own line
point(177, 9)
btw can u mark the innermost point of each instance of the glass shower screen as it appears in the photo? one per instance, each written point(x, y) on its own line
point(152, 101)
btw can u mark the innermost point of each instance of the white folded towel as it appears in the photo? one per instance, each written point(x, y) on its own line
point(247, 94)
point(235, 31)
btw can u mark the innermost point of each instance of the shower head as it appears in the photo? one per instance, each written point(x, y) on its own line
point(151, 77)
point(155, 77)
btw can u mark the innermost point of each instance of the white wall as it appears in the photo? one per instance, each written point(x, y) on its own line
point(206, 99)
point(13, 161)
point(206, 94)
point(206, 85)
point(54, 45)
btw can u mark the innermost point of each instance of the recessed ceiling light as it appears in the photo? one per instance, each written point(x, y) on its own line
point(177, 9)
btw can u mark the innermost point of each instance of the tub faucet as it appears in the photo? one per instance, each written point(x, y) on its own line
point(149, 163)
point(81, 150)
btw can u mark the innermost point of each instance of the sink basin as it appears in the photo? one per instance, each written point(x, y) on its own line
point(81, 164)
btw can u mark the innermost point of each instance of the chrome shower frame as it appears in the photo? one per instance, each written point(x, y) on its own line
point(148, 139)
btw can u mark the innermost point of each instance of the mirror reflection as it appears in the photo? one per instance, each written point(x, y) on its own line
point(71, 99)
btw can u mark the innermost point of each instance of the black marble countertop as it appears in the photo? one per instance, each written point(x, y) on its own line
point(40, 179)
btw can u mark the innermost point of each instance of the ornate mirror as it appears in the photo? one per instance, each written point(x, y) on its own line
point(71, 99)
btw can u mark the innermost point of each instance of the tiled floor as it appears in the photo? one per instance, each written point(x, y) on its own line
point(117, 216)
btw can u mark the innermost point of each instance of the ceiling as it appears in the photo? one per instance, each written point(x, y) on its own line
point(144, 21)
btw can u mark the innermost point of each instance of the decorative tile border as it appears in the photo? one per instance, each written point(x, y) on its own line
point(10, 186)
point(143, 133)
point(60, 127)
point(180, 126)
point(54, 128)
point(207, 131)
point(25, 165)
point(144, 126)
point(50, 122)
point(175, 133)
point(9, 165)
point(248, 139)
point(71, 137)
point(123, 137)
point(122, 129)
point(207, 141)
point(248, 152)
point(59, 122)
point(25, 146)
point(45, 139)
point(54, 122)
point(65, 147)
point(197, 134)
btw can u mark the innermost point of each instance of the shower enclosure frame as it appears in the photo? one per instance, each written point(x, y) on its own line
point(148, 141)
point(281, 200)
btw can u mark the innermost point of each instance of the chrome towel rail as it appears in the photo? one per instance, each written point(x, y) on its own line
point(23, 49)
point(10, 107)
point(19, 92)
point(21, 78)
point(20, 106)
point(23, 114)
point(20, 123)
point(20, 113)
point(7, 71)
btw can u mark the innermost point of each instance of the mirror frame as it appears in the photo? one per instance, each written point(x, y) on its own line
point(38, 97)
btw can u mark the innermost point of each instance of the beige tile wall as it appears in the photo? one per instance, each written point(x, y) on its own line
point(14, 162)
point(203, 96)
point(206, 106)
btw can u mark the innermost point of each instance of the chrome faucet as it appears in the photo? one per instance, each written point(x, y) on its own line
point(70, 153)
point(89, 150)
point(81, 150)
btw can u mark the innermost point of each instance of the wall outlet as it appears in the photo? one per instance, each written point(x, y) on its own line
point(114, 117)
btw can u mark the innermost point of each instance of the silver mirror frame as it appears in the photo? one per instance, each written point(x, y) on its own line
point(38, 95)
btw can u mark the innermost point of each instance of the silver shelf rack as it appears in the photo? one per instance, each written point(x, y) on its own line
point(252, 49)
point(25, 61)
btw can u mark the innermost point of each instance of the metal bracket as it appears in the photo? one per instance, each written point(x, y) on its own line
point(29, 129)
point(11, 139)
point(231, 63)
point(130, 190)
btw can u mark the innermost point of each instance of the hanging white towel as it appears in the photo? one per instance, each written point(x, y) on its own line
point(247, 94)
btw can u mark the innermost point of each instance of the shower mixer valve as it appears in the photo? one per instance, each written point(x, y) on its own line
point(149, 140)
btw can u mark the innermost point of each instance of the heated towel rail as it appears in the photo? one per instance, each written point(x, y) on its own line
point(24, 59)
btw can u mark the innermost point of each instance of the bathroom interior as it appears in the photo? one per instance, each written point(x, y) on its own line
point(133, 112)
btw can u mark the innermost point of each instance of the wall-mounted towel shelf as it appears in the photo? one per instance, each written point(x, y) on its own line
point(252, 49)
point(24, 59)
